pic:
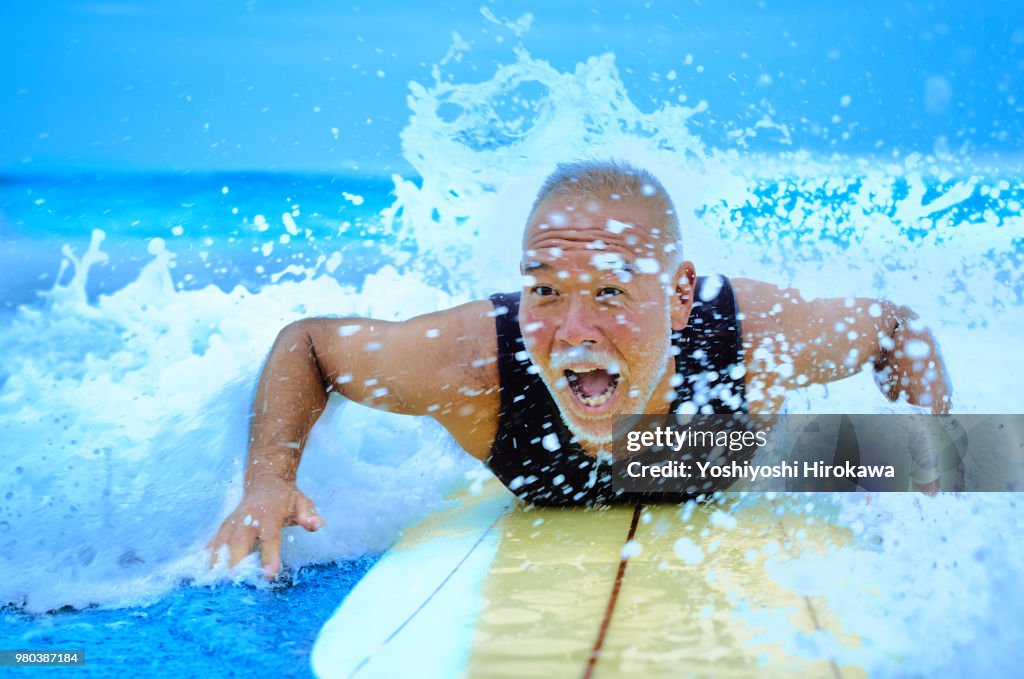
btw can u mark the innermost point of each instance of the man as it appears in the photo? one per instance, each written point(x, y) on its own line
point(611, 320)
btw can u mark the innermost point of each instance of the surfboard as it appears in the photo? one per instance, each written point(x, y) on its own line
point(492, 588)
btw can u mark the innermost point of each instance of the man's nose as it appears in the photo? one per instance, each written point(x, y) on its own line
point(577, 327)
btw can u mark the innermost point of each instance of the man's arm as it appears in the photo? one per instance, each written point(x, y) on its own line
point(442, 364)
point(791, 342)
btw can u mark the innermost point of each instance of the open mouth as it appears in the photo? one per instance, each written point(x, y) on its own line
point(592, 387)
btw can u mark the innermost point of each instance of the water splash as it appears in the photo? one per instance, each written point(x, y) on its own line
point(938, 233)
point(127, 423)
point(926, 584)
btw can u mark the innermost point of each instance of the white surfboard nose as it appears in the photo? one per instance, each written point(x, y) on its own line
point(414, 614)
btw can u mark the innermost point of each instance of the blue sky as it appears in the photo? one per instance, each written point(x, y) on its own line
point(251, 84)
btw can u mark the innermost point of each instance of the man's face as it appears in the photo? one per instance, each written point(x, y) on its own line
point(598, 309)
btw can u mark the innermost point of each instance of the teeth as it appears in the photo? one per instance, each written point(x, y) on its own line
point(590, 401)
point(612, 370)
point(595, 401)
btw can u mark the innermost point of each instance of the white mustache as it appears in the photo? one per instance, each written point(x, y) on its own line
point(562, 360)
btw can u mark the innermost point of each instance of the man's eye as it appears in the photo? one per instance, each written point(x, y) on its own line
point(543, 290)
point(608, 292)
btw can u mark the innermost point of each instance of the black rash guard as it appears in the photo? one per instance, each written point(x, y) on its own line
point(536, 456)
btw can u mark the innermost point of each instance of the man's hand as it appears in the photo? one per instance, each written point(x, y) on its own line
point(261, 515)
point(909, 365)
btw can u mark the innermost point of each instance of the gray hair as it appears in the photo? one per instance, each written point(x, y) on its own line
point(614, 180)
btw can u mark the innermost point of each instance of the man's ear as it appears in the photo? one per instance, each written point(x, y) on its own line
point(681, 302)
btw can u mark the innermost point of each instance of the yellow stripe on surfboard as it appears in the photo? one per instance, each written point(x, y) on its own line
point(678, 619)
point(489, 588)
point(546, 592)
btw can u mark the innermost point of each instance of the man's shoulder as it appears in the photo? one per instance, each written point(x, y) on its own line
point(748, 289)
point(449, 354)
point(462, 337)
point(477, 315)
point(461, 369)
point(483, 320)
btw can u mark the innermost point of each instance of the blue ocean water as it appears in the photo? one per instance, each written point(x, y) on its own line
point(136, 305)
point(207, 218)
point(222, 630)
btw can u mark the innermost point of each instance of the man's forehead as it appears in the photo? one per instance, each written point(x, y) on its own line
point(556, 261)
point(581, 232)
point(598, 250)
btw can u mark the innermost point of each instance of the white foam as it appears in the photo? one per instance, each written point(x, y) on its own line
point(948, 563)
point(125, 431)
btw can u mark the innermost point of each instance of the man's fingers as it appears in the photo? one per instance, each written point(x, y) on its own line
point(946, 391)
point(219, 539)
point(262, 524)
point(940, 403)
point(242, 543)
point(887, 380)
point(305, 514)
point(270, 552)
